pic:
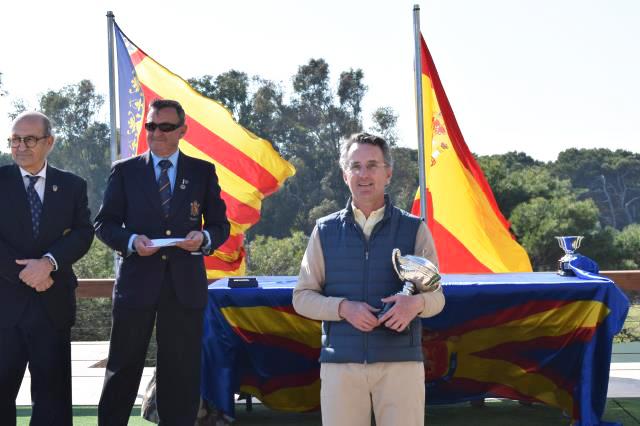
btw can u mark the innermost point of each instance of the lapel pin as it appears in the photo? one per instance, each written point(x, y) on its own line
point(184, 183)
point(195, 208)
point(55, 188)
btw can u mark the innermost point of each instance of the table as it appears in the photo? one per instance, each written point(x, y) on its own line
point(535, 337)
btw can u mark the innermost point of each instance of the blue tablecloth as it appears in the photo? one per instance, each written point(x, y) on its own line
point(535, 337)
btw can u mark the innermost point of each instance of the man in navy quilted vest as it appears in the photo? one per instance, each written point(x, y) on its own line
point(345, 277)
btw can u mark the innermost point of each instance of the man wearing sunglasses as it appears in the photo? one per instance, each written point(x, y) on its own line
point(162, 193)
point(45, 227)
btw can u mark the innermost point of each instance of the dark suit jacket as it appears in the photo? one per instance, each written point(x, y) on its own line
point(132, 206)
point(65, 232)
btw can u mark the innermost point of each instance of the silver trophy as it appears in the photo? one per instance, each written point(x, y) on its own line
point(569, 244)
point(419, 275)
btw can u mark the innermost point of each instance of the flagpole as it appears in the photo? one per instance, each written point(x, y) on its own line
point(112, 109)
point(112, 88)
point(420, 113)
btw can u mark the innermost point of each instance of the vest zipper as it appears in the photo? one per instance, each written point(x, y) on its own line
point(366, 296)
point(365, 285)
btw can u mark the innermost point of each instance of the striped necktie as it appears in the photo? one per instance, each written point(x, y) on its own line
point(164, 186)
point(35, 204)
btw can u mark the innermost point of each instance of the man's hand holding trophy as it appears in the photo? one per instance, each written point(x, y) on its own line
point(419, 275)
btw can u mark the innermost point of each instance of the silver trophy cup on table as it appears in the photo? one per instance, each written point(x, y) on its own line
point(419, 276)
point(569, 244)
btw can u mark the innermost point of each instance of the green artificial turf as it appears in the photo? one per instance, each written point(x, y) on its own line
point(494, 413)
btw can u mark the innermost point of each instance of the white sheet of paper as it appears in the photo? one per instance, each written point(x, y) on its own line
point(165, 242)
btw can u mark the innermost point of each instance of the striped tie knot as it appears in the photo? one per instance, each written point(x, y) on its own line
point(164, 165)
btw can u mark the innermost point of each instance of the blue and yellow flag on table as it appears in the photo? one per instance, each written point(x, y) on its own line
point(248, 167)
point(536, 337)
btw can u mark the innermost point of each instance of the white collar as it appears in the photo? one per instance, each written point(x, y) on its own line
point(42, 173)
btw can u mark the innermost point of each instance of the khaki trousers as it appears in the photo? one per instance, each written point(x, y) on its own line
point(394, 389)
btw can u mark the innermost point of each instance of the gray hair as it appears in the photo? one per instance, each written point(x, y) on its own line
point(364, 138)
point(27, 115)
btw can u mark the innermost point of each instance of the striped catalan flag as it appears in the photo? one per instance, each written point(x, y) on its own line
point(248, 167)
point(470, 232)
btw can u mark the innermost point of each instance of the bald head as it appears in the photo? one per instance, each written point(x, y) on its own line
point(34, 116)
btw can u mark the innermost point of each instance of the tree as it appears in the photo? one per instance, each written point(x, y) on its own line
point(522, 185)
point(538, 221)
point(231, 89)
point(82, 142)
point(610, 178)
point(404, 182)
point(627, 243)
point(385, 121)
point(5, 159)
point(273, 256)
point(97, 263)
point(515, 178)
point(306, 129)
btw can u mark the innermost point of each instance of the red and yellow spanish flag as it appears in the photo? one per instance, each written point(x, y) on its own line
point(248, 167)
point(470, 232)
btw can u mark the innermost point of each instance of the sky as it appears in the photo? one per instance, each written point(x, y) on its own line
point(537, 76)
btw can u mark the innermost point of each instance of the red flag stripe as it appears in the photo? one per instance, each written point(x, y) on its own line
point(224, 153)
point(456, 257)
point(281, 383)
point(217, 264)
point(512, 314)
point(232, 244)
point(238, 211)
point(279, 342)
point(492, 389)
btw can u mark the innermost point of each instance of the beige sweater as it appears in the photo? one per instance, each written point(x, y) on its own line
point(308, 297)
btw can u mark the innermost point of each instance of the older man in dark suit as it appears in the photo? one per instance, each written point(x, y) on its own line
point(160, 194)
point(44, 228)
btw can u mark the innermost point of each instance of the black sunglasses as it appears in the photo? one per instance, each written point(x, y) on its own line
point(164, 127)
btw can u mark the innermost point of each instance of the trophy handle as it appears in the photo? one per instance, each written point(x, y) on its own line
point(395, 261)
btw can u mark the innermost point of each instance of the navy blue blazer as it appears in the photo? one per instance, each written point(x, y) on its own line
point(132, 206)
point(65, 232)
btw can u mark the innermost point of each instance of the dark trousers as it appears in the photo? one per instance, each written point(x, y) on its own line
point(47, 350)
point(179, 335)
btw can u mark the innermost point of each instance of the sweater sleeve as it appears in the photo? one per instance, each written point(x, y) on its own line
point(425, 247)
point(308, 297)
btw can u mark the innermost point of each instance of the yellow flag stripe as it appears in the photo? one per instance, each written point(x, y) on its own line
point(459, 203)
point(282, 324)
point(292, 399)
point(232, 183)
point(553, 322)
point(499, 371)
point(212, 115)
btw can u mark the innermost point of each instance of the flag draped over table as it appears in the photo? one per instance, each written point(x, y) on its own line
point(540, 338)
point(248, 167)
point(470, 233)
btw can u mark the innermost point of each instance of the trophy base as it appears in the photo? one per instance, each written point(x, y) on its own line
point(565, 270)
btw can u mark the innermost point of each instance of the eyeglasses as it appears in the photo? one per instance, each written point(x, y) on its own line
point(370, 167)
point(164, 127)
point(29, 141)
